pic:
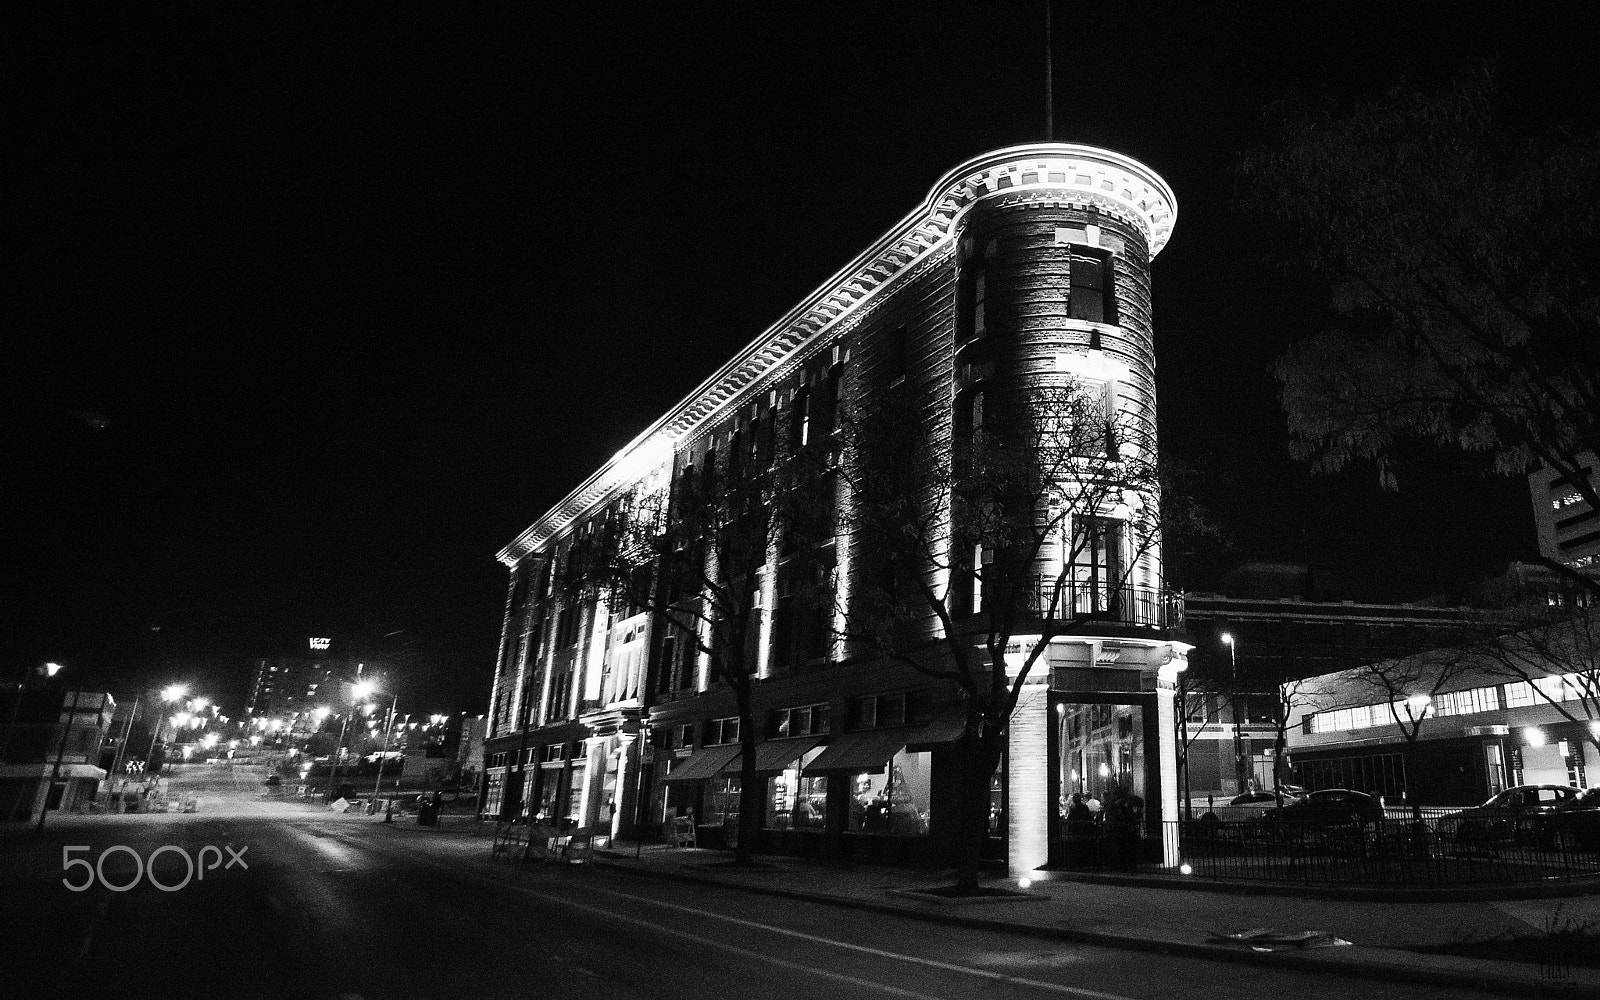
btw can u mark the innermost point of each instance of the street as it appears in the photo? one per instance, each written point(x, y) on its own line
point(341, 907)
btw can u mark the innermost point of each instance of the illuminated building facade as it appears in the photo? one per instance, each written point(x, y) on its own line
point(1484, 732)
point(1026, 264)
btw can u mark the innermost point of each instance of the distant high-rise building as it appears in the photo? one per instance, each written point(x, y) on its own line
point(1569, 528)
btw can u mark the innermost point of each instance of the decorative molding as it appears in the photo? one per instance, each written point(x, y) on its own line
point(1063, 174)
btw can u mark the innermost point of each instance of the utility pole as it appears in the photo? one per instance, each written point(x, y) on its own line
point(1233, 698)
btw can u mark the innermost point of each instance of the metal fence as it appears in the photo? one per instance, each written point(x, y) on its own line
point(1439, 849)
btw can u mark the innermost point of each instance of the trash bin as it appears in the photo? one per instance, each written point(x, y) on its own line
point(427, 813)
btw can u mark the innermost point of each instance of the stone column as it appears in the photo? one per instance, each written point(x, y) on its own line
point(1028, 768)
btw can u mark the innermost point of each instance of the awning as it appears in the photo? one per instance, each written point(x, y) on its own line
point(704, 764)
point(870, 749)
point(867, 750)
point(777, 755)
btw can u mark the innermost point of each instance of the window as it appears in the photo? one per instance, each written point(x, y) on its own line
point(800, 419)
point(895, 363)
point(968, 426)
point(804, 720)
point(890, 708)
point(795, 802)
point(1096, 564)
point(721, 731)
point(893, 800)
point(979, 296)
point(1090, 277)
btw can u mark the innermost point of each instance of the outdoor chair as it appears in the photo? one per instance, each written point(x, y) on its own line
point(580, 846)
point(540, 841)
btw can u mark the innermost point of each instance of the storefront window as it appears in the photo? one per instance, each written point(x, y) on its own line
point(575, 795)
point(893, 800)
point(549, 791)
point(1102, 762)
point(722, 800)
point(495, 792)
point(795, 802)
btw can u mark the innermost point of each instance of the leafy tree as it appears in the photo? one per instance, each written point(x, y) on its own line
point(1459, 252)
point(971, 548)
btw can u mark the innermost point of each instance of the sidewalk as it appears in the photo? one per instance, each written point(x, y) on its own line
point(1152, 918)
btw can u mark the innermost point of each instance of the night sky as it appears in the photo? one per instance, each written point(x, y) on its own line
point(311, 312)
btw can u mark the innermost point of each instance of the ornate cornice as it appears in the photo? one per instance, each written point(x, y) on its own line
point(1059, 173)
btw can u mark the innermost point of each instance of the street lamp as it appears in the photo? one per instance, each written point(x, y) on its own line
point(358, 693)
point(47, 670)
point(388, 727)
point(169, 694)
point(1233, 699)
point(61, 748)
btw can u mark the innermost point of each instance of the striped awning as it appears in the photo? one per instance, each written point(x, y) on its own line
point(704, 763)
point(777, 755)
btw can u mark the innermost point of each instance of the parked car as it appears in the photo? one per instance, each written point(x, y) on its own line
point(1252, 804)
point(1574, 824)
point(1515, 814)
point(1327, 807)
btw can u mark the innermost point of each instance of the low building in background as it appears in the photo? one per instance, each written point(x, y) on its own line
point(52, 750)
point(1486, 728)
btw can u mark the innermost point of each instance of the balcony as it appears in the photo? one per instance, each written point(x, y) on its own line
point(1097, 600)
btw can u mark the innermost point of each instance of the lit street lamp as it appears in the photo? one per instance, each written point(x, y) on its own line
point(1233, 697)
point(388, 727)
point(47, 670)
point(61, 749)
point(169, 694)
point(358, 693)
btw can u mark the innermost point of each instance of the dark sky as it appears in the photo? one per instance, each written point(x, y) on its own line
point(311, 312)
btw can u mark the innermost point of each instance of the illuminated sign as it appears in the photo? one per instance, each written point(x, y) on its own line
point(320, 643)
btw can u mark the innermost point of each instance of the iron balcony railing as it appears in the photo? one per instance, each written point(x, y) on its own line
point(1097, 600)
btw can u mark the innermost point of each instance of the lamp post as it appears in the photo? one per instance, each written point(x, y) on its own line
point(1233, 698)
point(61, 751)
point(169, 694)
point(358, 692)
point(48, 670)
point(388, 816)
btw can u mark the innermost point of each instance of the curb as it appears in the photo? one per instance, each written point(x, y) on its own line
point(1408, 967)
point(1587, 886)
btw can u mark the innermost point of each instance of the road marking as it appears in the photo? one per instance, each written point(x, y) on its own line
point(995, 977)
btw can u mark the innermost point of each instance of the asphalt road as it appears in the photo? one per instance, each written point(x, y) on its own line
point(315, 907)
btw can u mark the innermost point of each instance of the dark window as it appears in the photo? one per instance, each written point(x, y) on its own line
point(895, 363)
point(1091, 297)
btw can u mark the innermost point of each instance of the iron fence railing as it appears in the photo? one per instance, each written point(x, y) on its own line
point(1441, 849)
point(1096, 599)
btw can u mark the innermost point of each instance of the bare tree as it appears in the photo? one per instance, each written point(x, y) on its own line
point(1554, 658)
point(692, 556)
point(1407, 687)
point(979, 549)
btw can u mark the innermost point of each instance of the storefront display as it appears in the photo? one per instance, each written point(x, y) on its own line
point(894, 800)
